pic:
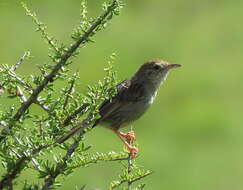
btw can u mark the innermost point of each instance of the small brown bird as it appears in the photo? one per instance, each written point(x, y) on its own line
point(134, 96)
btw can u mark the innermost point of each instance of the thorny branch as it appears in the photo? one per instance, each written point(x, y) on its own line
point(60, 167)
point(25, 85)
point(80, 110)
point(96, 160)
point(21, 162)
point(21, 61)
point(20, 94)
point(68, 94)
point(64, 58)
point(43, 106)
point(129, 169)
point(21, 159)
point(26, 54)
point(133, 180)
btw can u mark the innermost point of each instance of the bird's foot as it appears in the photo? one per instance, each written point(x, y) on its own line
point(128, 139)
point(132, 149)
point(130, 136)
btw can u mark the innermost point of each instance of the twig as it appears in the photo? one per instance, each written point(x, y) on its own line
point(69, 93)
point(29, 88)
point(83, 187)
point(10, 186)
point(129, 170)
point(20, 94)
point(141, 177)
point(132, 181)
point(26, 54)
point(80, 110)
point(26, 86)
point(4, 125)
point(43, 106)
point(1, 91)
point(14, 67)
point(97, 160)
point(7, 179)
point(142, 186)
point(21, 81)
point(41, 27)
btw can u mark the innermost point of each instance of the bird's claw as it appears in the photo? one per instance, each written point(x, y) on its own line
point(133, 151)
point(130, 136)
point(128, 139)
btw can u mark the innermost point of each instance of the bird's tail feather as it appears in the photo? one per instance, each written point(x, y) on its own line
point(74, 131)
point(70, 134)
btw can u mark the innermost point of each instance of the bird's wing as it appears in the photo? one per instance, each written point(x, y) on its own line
point(127, 93)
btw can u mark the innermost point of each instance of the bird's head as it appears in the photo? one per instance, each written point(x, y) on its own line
point(155, 70)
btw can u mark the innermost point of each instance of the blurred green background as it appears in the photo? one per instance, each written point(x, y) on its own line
point(192, 137)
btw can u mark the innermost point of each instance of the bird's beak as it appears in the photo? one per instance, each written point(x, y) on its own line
point(170, 66)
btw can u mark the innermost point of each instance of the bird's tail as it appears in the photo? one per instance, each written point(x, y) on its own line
point(75, 130)
point(70, 134)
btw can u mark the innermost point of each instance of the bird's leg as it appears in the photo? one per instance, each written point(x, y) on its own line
point(133, 150)
point(130, 136)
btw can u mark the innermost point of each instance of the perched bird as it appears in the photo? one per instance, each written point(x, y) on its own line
point(134, 96)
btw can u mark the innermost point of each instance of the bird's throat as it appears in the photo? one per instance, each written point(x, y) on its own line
point(152, 98)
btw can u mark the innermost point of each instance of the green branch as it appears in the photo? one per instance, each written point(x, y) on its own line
point(20, 164)
point(63, 60)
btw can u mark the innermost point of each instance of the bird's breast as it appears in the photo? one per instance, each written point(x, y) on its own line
point(152, 98)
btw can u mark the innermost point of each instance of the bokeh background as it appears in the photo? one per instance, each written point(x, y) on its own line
point(192, 137)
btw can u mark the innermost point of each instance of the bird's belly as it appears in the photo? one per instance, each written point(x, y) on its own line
point(126, 115)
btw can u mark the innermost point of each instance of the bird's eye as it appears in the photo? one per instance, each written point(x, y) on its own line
point(156, 67)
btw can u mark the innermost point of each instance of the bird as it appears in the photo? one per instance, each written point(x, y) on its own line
point(133, 98)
